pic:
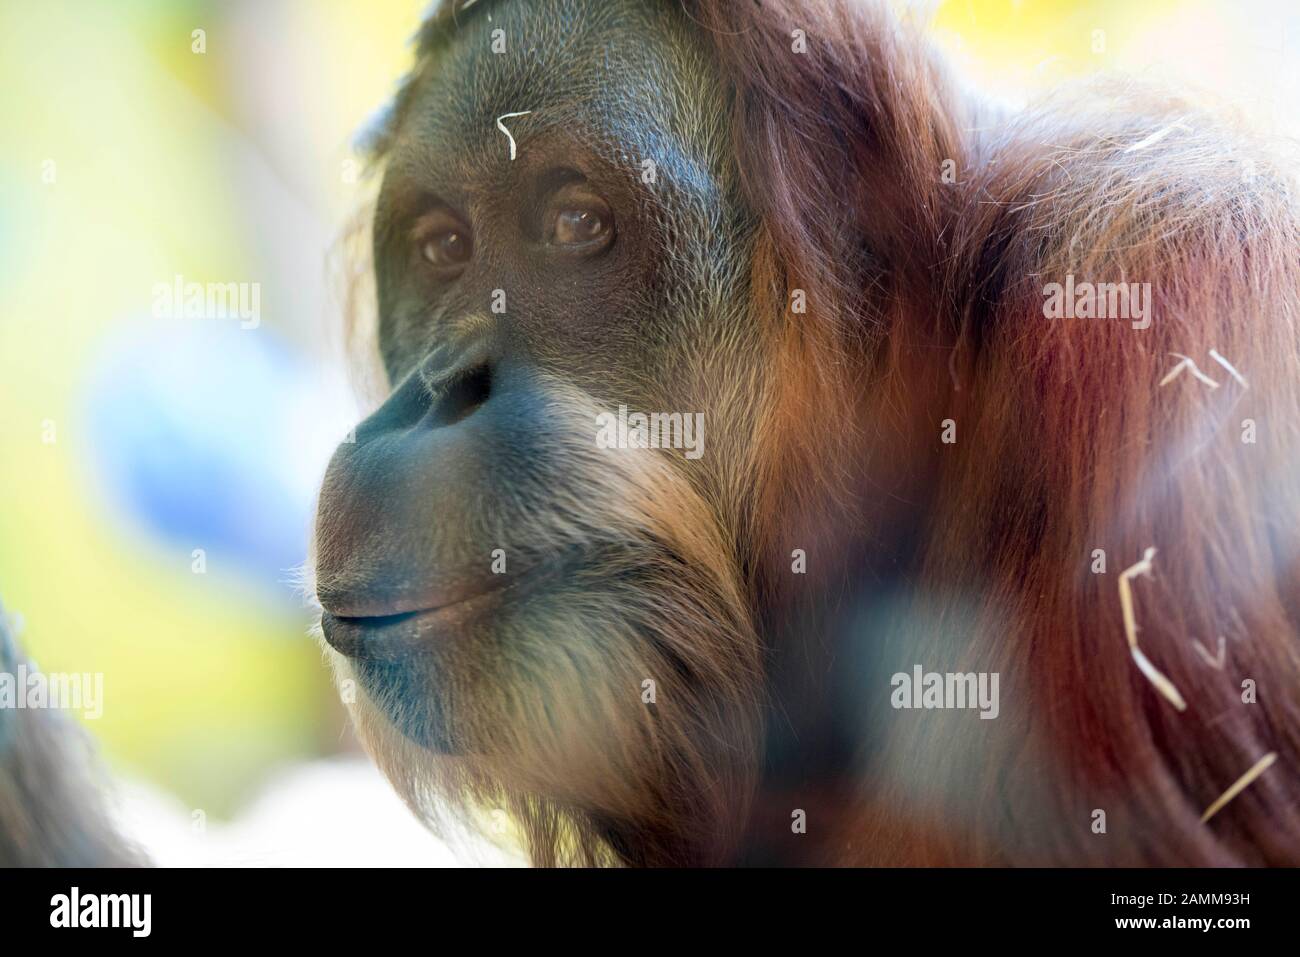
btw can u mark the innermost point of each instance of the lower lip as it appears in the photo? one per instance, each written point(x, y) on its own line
point(396, 635)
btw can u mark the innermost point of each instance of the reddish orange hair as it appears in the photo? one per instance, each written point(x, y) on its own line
point(1067, 442)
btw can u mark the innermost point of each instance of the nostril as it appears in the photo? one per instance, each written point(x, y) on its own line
point(462, 396)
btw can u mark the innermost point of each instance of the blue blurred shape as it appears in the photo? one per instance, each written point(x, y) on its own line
point(192, 434)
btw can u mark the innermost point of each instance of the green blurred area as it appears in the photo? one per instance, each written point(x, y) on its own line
point(211, 681)
point(118, 175)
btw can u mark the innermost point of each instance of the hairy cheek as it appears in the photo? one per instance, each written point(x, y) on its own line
point(612, 675)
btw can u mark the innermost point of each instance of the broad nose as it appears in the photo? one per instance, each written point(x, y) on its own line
point(450, 385)
point(395, 528)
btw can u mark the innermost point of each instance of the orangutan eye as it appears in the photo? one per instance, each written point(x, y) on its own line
point(447, 249)
point(576, 226)
point(579, 220)
point(444, 241)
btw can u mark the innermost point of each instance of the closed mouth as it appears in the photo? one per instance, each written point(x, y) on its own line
point(391, 636)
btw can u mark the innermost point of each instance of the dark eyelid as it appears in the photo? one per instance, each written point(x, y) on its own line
point(576, 194)
point(432, 221)
point(553, 180)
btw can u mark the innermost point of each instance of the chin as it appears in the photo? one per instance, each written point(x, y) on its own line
point(603, 682)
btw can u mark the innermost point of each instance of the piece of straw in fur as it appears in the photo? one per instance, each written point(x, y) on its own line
point(1187, 363)
point(1243, 782)
point(1158, 135)
point(1149, 671)
point(1211, 660)
point(1214, 354)
point(502, 128)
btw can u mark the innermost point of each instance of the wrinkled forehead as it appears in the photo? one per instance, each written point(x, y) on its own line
point(621, 76)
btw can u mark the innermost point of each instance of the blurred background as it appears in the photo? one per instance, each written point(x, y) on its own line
point(158, 472)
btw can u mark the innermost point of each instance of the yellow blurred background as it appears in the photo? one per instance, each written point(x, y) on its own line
point(157, 474)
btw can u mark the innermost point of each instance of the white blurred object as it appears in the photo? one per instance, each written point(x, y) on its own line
point(333, 813)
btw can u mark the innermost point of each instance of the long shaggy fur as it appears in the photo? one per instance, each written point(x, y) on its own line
point(925, 304)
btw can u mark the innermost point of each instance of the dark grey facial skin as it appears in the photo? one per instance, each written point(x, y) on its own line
point(610, 85)
point(464, 458)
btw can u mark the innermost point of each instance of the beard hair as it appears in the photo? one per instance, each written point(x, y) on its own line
point(544, 706)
